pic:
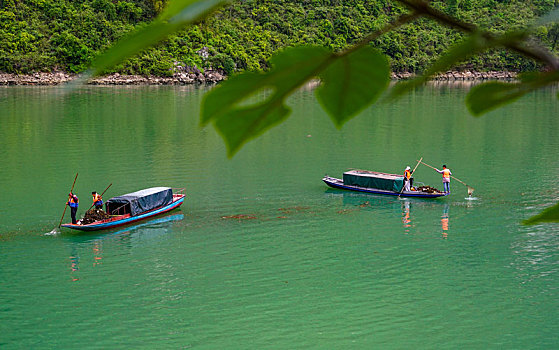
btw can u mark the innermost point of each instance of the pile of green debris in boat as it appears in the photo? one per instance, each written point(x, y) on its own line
point(427, 189)
point(93, 215)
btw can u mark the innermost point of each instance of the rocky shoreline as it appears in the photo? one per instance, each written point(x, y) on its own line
point(462, 76)
point(208, 77)
point(57, 78)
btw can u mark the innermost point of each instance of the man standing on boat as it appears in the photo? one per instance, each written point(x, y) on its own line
point(446, 178)
point(97, 200)
point(407, 179)
point(73, 202)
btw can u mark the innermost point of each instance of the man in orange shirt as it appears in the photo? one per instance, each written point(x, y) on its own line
point(407, 179)
point(97, 200)
point(446, 178)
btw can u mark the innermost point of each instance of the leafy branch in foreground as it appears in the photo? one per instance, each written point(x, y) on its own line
point(550, 214)
point(345, 90)
point(351, 79)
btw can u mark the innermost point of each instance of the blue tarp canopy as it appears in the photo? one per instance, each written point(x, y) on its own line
point(141, 201)
point(376, 180)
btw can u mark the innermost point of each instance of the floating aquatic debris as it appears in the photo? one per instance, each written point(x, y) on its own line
point(239, 217)
point(428, 189)
point(93, 215)
point(345, 211)
point(294, 209)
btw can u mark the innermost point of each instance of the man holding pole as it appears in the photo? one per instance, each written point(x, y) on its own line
point(97, 200)
point(73, 202)
point(446, 178)
point(407, 179)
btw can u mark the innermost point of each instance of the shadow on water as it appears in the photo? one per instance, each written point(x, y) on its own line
point(147, 229)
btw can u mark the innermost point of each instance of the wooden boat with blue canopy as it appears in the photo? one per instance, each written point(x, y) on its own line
point(379, 183)
point(136, 206)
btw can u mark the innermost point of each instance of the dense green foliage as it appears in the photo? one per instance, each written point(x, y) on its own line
point(44, 35)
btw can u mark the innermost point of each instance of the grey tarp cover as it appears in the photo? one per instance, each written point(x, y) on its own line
point(142, 200)
point(370, 179)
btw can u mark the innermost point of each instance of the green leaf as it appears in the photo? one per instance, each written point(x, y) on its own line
point(240, 116)
point(299, 64)
point(132, 44)
point(241, 125)
point(550, 214)
point(174, 7)
point(352, 83)
point(529, 77)
point(485, 97)
point(290, 69)
point(229, 94)
point(189, 11)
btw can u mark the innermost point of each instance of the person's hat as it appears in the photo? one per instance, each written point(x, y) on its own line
point(408, 168)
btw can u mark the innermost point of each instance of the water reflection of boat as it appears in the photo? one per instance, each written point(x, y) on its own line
point(359, 198)
point(376, 183)
point(387, 207)
point(151, 228)
point(136, 206)
point(131, 236)
point(151, 223)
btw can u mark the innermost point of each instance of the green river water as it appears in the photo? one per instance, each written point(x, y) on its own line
point(300, 265)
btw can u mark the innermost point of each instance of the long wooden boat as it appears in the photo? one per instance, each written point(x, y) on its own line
point(133, 207)
point(377, 183)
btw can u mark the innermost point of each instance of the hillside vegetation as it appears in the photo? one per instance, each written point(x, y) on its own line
point(47, 35)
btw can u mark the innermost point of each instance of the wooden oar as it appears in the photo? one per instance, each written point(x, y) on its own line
point(101, 196)
point(66, 206)
point(419, 161)
point(470, 188)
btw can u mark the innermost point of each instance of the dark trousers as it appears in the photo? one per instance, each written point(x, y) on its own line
point(73, 212)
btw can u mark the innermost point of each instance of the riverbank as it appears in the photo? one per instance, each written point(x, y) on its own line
point(208, 77)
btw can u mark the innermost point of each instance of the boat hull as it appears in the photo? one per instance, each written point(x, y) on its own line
point(127, 219)
point(339, 183)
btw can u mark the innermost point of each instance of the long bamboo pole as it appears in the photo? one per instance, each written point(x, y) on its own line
point(470, 188)
point(419, 161)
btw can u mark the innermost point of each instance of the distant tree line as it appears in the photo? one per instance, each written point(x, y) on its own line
point(47, 35)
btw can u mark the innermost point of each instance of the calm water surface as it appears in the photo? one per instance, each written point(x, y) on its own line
point(305, 266)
